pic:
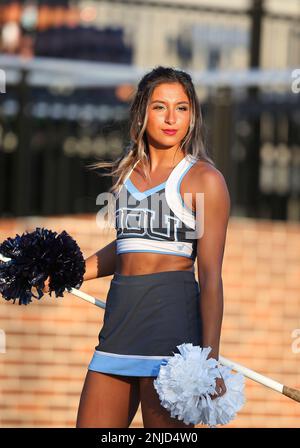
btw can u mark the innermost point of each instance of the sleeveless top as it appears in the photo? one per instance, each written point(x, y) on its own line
point(156, 220)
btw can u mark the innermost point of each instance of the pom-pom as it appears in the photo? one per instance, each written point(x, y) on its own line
point(35, 256)
point(223, 409)
point(186, 382)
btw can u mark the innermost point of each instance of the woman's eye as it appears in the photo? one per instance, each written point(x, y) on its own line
point(161, 107)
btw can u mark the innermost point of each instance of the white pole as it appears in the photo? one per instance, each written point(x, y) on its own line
point(252, 375)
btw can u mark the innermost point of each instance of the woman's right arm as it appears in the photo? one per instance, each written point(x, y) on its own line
point(102, 263)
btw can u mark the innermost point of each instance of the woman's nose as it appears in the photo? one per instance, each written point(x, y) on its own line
point(170, 117)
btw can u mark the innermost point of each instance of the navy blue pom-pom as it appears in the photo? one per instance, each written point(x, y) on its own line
point(36, 256)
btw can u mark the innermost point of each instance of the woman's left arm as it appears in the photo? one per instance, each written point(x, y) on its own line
point(212, 220)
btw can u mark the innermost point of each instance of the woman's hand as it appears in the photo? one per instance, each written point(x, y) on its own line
point(45, 290)
point(46, 287)
point(220, 389)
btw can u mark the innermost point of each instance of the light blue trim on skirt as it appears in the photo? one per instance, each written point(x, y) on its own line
point(129, 365)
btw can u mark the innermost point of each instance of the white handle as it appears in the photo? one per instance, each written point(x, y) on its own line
point(87, 297)
point(252, 374)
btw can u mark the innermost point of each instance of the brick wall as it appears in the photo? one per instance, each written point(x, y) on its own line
point(50, 343)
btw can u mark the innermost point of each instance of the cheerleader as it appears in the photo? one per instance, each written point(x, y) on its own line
point(171, 207)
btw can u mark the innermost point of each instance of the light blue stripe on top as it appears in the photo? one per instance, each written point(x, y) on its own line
point(126, 365)
point(140, 195)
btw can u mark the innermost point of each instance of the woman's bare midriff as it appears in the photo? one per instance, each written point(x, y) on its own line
point(139, 263)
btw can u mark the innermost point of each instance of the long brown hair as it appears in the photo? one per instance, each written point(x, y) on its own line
point(137, 150)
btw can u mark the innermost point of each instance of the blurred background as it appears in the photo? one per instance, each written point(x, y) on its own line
point(70, 70)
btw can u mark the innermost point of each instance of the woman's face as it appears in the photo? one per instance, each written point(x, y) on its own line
point(169, 109)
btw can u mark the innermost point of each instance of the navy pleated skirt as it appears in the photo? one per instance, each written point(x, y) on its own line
point(146, 317)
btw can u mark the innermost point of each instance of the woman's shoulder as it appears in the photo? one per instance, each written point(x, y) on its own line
point(209, 180)
point(203, 175)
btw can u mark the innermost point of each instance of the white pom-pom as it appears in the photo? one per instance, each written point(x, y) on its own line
point(185, 382)
point(222, 410)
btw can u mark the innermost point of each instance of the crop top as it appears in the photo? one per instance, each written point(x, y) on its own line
point(156, 220)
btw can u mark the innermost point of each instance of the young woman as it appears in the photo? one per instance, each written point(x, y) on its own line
point(154, 302)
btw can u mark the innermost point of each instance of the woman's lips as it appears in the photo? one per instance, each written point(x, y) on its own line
point(169, 131)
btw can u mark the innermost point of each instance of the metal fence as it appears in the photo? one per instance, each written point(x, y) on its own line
point(57, 115)
point(47, 140)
